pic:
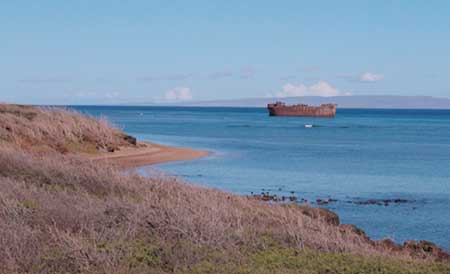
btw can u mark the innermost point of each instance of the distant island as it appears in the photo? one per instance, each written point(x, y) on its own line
point(360, 101)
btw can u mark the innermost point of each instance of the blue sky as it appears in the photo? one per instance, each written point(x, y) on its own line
point(64, 52)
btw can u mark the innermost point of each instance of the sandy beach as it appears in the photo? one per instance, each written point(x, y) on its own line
point(149, 154)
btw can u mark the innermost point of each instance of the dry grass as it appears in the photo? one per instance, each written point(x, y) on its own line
point(43, 129)
point(65, 214)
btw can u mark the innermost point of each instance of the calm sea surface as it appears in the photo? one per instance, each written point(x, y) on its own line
point(359, 155)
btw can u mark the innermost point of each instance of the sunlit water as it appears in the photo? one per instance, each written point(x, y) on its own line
point(360, 154)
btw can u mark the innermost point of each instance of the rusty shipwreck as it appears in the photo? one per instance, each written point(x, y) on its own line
point(281, 109)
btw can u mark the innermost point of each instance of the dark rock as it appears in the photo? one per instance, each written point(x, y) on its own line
point(425, 249)
point(369, 202)
point(130, 139)
point(325, 201)
point(329, 216)
point(388, 244)
point(384, 202)
point(352, 229)
point(266, 196)
point(321, 213)
point(400, 201)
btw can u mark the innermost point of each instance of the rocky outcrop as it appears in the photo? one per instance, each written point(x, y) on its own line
point(414, 249)
point(326, 215)
point(425, 250)
point(129, 139)
point(384, 202)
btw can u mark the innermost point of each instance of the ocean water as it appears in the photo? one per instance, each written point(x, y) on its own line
point(359, 155)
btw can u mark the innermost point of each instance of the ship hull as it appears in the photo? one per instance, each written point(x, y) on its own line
point(303, 111)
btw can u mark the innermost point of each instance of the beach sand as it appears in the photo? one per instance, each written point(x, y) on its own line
point(148, 154)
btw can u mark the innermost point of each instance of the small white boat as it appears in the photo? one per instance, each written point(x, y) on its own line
point(308, 126)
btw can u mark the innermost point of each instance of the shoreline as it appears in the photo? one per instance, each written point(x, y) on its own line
point(146, 153)
point(61, 171)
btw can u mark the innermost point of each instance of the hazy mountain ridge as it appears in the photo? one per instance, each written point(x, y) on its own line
point(361, 101)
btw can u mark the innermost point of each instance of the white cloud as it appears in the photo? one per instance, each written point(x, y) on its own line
point(170, 77)
point(366, 77)
point(370, 77)
point(178, 94)
point(111, 95)
point(49, 80)
point(247, 73)
point(220, 74)
point(321, 88)
point(95, 95)
point(82, 94)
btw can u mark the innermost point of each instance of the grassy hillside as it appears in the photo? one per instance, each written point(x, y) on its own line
point(61, 213)
point(43, 129)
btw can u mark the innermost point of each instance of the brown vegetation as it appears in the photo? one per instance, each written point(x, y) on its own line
point(62, 213)
point(42, 129)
